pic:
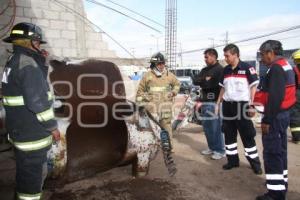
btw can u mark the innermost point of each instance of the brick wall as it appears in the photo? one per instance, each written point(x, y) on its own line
point(67, 35)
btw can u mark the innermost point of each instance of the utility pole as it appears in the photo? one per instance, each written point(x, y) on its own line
point(133, 51)
point(212, 42)
point(181, 62)
point(157, 40)
point(226, 38)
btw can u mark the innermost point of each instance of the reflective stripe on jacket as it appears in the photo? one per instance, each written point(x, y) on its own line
point(33, 145)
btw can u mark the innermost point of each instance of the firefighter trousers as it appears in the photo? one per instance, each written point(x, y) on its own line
point(166, 124)
point(275, 156)
point(31, 171)
point(295, 119)
point(235, 119)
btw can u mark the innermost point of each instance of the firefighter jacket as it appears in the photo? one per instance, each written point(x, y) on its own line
point(295, 111)
point(297, 73)
point(277, 91)
point(157, 92)
point(27, 100)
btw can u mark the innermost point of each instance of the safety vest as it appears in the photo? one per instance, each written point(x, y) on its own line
point(261, 96)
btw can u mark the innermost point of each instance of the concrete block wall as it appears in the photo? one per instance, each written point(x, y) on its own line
point(66, 33)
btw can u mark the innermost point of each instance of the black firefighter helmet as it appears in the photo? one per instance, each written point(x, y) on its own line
point(157, 58)
point(25, 30)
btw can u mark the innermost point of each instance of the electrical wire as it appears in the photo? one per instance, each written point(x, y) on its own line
point(91, 23)
point(115, 10)
point(247, 39)
point(136, 13)
point(10, 24)
point(245, 45)
point(1, 13)
point(280, 39)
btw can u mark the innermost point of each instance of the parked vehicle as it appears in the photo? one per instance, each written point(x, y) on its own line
point(186, 84)
point(186, 71)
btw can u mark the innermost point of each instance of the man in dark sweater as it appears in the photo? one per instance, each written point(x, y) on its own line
point(208, 80)
point(277, 94)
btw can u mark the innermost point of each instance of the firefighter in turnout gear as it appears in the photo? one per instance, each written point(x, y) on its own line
point(29, 114)
point(156, 91)
point(295, 111)
point(277, 93)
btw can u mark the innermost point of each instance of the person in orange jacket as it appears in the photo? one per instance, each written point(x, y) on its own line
point(277, 94)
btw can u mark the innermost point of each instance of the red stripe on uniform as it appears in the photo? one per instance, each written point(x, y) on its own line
point(236, 76)
point(282, 62)
point(292, 85)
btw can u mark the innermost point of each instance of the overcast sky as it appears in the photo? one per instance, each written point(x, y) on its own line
point(199, 23)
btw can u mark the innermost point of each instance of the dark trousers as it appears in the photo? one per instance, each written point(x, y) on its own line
point(275, 156)
point(235, 120)
point(31, 170)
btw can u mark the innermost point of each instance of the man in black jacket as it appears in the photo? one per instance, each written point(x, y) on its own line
point(28, 104)
point(208, 80)
point(277, 95)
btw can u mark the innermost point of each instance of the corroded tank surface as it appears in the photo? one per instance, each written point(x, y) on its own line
point(89, 90)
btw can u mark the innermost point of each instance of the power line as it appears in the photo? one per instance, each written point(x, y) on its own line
point(7, 6)
point(115, 10)
point(245, 45)
point(90, 22)
point(285, 38)
point(7, 27)
point(248, 39)
point(136, 13)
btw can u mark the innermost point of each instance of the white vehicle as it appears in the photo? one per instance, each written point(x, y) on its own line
point(186, 71)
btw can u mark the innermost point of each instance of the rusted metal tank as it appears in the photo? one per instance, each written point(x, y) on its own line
point(92, 113)
point(89, 90)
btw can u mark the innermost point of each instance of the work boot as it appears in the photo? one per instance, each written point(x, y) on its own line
point(229, 166)
point(257, 171)
point(264, 197)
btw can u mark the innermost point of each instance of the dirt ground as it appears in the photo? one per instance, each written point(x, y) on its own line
point(198, 177)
